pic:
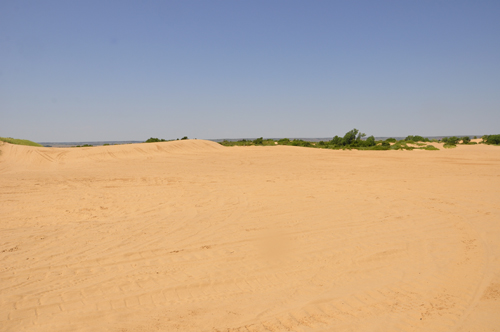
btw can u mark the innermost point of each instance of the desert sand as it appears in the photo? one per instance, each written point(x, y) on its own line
point(194, 236)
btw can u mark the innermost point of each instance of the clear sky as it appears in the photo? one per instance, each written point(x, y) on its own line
point(129, 70)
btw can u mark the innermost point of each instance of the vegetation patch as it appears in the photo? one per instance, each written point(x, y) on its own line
point(429, 148)
point(491, 139)
point(354, 139)
point(18, 141)
point(416, 138)
point(155, 140)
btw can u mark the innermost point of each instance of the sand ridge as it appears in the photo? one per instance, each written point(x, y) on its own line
point(193, 236)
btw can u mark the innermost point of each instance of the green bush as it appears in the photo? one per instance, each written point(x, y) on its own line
point(391, 140)
point(337, 141)
point(453, 140)
point(284, 141)
point(352, 138)
point(184, 138)
point(370, 141)
point(154, 140)
point(258, 141)
point(299, 142)
point(492, 139)
point(465, 140)
point(416, 138)
point(242, 142)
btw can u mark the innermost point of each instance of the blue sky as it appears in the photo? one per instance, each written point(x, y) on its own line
point(129, 70)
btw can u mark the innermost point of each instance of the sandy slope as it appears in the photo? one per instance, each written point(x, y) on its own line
point(192, 236)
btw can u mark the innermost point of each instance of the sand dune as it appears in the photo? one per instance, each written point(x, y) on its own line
point(193, 236)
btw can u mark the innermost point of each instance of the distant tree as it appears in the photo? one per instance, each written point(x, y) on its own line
point(258, 141)
point(416, 138)
point(337, 141)
point(154, 140)
point(184, 138)
point(350, 137)
point(284, 141)
point(492, 139)
point(465, 140)
point(453, 140)
point(370, 141)
point(391, 140)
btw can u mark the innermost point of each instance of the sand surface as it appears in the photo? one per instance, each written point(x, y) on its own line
point(193, 236)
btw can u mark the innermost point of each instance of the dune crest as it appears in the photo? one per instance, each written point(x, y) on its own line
point(35, 157)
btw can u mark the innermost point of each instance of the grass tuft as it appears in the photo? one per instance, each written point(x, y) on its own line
point(430, 148)
point(18, 141)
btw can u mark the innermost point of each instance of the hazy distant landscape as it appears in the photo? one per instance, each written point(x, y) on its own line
point(218, 140)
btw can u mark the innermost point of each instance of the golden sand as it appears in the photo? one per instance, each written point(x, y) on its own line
point(193, 236)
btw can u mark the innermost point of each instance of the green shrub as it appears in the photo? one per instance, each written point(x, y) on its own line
point(337, 141)
point(416, 138)
point(258, 141)
point(242, 142)
point(376, 147)
point(184, 138)
point(370, 141)
point(299, 142)
point(465, 140)
point(284, 141)
point(492, 139)
point(391, 140)
point(453, 140)
point(154, 140)
point(350, 137)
